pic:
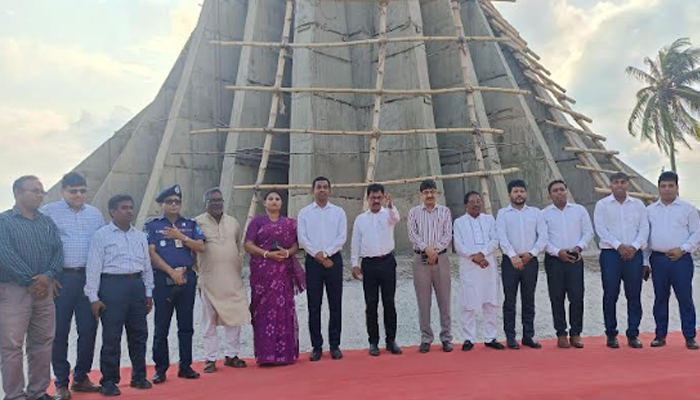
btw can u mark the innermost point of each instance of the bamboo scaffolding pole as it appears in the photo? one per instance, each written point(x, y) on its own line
point(575, 130)
point(393, 182)
point(379, 91)
point(274, 110)
point(379, 85)
point(605, 171)
point(364, 42)
point(528, 57)
point(471, 108)
point(509, 29)
point(554, 91)
point(395, 132)
point(563, 109)
point(640, 195)
point(591, 151)
point(523, 62)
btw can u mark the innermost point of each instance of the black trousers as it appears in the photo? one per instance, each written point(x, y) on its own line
point(565, 280)
point(318, 277)
point(379, 276)
point(526, 280)
point(125, 301)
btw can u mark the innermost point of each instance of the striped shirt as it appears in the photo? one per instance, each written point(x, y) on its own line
point(426, 228)
point(115, 252)
point(76, 230)
point(28, 247)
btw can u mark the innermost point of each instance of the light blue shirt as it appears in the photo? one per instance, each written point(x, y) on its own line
point(75, 229)
point(113, 251)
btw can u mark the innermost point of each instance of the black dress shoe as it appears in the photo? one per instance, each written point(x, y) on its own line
point(613, 343)
point(691, 344)
point(159, 377)
point(447, 346)
point(109, 389)
point(634, 342)
point(512, 344)
point(531, 343)
point(494, 344)
point(373, 350)
point(316, 354)
point(188, 373)
point(424, 347)
point(467, 345)
point(658, 342)
point(336, 354)
point(142, 384)
point(394, 348)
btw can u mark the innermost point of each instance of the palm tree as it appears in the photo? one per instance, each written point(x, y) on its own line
point(667, 108)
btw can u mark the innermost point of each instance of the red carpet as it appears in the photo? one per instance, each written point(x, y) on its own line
point(596, 372)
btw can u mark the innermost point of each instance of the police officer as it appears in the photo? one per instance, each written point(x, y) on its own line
point(172, 241)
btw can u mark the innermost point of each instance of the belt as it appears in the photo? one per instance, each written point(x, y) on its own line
point(80, 270)
point(379, 258)
point(660, 253)
point(422, 252)
point(123, 276)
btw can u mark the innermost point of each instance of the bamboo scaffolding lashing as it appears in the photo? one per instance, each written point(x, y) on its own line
point(639, 195)
point(364, 42)
point(378, 91)
point(394, 132)
point(392, 182)
point(575, 130)
point(563, 109)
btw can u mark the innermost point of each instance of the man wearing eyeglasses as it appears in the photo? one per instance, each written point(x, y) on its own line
point(31, 259)
point(222, 293)
point(172, 242)
point(77, 222)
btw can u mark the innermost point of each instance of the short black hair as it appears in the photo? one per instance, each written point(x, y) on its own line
point(320, 179)
point(211, 191)
point(516, 183)
point(375, 187)
point(554, 182)
point(620, 175)
point(114, 201)
point(668, 176)
point(269, 192)
point(428, 184)
point(17, 185)
point(72, 179)
point(470, 194)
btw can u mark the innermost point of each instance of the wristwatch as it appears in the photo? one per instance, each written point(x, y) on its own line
point(325, 255)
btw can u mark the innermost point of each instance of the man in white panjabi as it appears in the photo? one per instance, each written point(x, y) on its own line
point(476, 242)
point(223, 295)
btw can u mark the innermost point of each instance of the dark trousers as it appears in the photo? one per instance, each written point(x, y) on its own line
point(183, 304)
point(614, 271)
point(125, 301)
point(318, 276)
point(526, 280)
point(565, 280)
point(72, 300)
point(379, 275)
point(677, 274)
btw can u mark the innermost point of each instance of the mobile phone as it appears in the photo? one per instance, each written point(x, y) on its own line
point(424, 258)
point(275, 246)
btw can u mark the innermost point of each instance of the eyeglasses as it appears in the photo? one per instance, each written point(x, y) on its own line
point(215, 201)
point(37, 192)
point(76, 191)
point(173, 202)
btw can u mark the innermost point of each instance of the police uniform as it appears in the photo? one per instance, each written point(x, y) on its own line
point(167, 296)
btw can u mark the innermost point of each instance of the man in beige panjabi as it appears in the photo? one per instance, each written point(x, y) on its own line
point(224, 298)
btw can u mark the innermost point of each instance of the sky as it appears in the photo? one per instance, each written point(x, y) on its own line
point(72, 72)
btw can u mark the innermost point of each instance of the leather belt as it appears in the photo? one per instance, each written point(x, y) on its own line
point(422, 252)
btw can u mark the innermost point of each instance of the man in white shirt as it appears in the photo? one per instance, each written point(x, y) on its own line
point(569, 230)
point(622, 226)
point(674, 235)
point(476, 243)
point(373, 243)
point(522, 235)
point(322, 232)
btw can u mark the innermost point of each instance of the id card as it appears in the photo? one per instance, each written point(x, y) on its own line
point(178, 244)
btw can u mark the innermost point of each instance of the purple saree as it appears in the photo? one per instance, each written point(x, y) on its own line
point(273, 286)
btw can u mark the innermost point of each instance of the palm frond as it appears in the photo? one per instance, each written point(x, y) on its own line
point(638, 111)
point(641, 76)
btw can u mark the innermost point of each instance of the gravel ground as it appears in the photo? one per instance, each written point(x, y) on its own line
point(354, 334)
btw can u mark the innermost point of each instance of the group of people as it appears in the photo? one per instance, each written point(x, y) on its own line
point(61, 259)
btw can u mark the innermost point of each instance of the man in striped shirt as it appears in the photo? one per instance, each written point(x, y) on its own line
point(430, 232)
point(77, 222)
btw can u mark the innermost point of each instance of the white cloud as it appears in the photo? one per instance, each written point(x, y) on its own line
point(183, 19)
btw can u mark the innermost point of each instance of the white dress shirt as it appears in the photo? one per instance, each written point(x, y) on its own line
point(373, 234)
point(618, 224)
point(567, 228)
point(471, 237)
point(113, 251)
point(673, 225)
point(322, 229)
point(521, 231)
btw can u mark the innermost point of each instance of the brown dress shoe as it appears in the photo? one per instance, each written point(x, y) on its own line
point(62, 393)
point(209, 367)
point(563, 342)
point(85, 386)
point(235, 362)
point(576, 342)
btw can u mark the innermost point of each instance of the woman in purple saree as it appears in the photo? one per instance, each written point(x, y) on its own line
point(275, 277)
